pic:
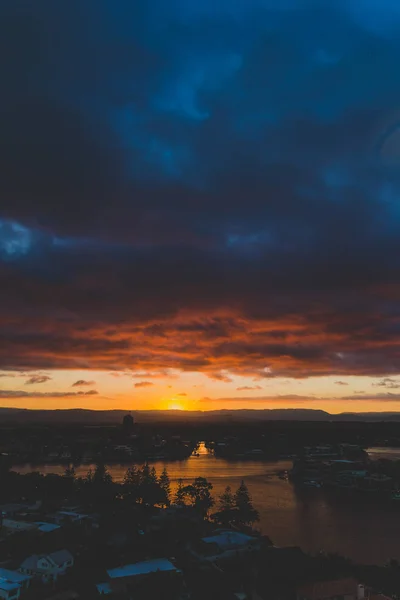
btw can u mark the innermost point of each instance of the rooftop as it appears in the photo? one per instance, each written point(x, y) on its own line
point(57, 558)
point(13, 576)
point(142, 568)
point(61, 556)
point(229, 539)
point(46, 527)
point(8, 585)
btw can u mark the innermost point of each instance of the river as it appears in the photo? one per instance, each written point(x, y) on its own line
point(362, 529)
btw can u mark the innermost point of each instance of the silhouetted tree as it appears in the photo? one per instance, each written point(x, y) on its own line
point(153, 475)
point(97, 487)
point(131, 484)
point(226, 513)
point(246, 514)
point(101, 476)
point(180, 494)
point(200, 493)
point(227, 499)
point(165, 485)
point(150, 491)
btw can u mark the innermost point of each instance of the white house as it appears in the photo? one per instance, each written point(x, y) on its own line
point(12, 583)
point(48, 567)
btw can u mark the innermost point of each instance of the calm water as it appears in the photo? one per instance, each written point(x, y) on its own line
point(313, 519)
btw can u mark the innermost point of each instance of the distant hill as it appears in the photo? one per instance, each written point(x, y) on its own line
point(103, 417)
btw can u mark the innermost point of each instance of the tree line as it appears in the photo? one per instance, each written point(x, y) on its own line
point(142, 486)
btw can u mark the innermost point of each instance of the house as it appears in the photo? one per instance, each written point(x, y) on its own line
point(45, 527)
point(12, 510)
point(145, 567)
point(145, 576)
point(15, 526)
point(339, 589)
point(9, 590)
point(47, 567)
point(12, 584)
point(11, 526)
point(226, 544)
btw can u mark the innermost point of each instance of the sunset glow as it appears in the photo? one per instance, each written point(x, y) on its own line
point(203, 212)
point(175, 406)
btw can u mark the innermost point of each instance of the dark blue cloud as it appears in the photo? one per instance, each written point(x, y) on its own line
point(183, 154)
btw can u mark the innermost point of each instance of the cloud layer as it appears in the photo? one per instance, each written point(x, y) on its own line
point(200, 186)
point(21, 394)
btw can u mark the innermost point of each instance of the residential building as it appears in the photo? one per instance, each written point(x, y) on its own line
point(12, 584)
point(142, 576)
point(15, 526)
point(47, 567)
point(9, 590)
point(226, 544)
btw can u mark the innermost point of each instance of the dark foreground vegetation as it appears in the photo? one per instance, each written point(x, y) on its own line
point(105, 524)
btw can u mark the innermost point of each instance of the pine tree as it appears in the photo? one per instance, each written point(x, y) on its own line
point(227, 499)
point(101, 475)
point(131, 484)
point(153, 475)
point(145, 473)
point(131, 477)
point(150, 490)
point(179, 498)
point(226, 513)
point(246, 513)
point(165, 485)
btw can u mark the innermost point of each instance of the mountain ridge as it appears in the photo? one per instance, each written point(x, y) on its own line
point(90, 416)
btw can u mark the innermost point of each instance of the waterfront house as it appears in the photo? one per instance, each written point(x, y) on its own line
point(47, 567)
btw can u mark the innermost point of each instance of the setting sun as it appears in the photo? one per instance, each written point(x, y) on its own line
point(175, 406)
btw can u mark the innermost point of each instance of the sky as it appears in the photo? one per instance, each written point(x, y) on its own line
point(199, 204)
